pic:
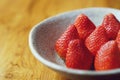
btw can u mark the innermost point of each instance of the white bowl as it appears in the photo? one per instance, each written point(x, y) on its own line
point(43, 36)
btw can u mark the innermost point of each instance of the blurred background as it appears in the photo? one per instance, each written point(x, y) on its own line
point(17, 17)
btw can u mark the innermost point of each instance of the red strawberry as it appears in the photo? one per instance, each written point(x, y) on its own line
point(118, 39)
point(108, 57)
point(96, 39)
point(84, 26)
point(78, 57)
point(62, 43)
point(112, 25)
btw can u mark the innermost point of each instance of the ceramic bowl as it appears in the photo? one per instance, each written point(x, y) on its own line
point(43, 36)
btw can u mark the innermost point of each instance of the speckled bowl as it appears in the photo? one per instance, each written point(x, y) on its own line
point(43, 36)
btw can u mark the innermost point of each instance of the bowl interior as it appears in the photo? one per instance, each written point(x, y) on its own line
point(44, 35)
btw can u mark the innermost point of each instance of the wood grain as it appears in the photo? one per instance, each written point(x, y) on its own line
point(17, 17)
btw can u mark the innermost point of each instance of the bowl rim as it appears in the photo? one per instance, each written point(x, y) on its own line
point(61, 68)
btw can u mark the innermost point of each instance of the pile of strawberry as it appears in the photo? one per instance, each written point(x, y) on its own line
point(85, 46)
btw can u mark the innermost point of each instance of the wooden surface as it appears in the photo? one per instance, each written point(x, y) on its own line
point(17, 17)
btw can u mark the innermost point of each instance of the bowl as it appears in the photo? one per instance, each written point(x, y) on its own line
point(43, 36)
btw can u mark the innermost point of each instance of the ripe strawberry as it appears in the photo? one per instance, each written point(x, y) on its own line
point(112, 25)
point(97, 38)
point(108, 57)
point(118, 39)
point(84, 26)
point(78, 57)
point(62, 43)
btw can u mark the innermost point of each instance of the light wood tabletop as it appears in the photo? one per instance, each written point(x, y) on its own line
point(17, 17)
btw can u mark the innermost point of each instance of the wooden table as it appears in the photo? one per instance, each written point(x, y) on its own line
point(17, 17)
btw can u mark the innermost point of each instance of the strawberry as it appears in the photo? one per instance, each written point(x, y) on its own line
point(112, 26)
point(84, 26)
point(78, 57)
point(96, 39)
point(108, 57)
point(62, 43)
point(118, 39)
